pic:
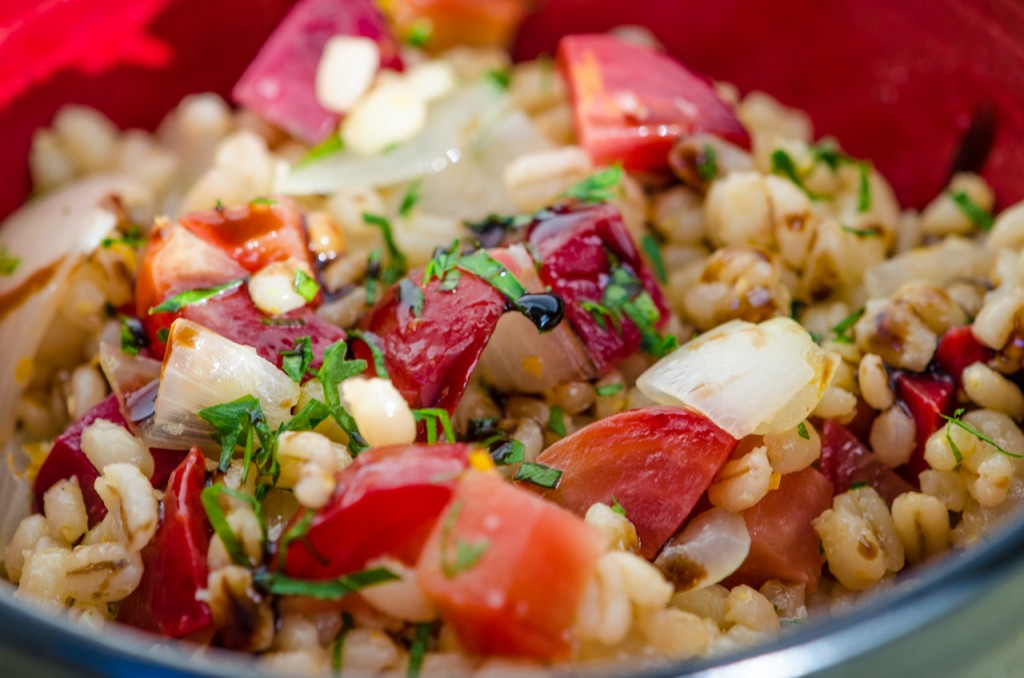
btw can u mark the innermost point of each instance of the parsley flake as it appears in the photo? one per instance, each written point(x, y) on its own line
point(433, 415)
point(783, 165)
point(956, 421)
point(373, 342)
point(418, 649)
point(870, 232)
point(707, 163)
point(556, 421)
point(652, 248)
point(397, 265)
point(196, 296)
point(338, 648)
point(617, 507)
point(410, 199)
point(133, 335)
point(330, 589)
point(260, 201)
point(334, 370)
point(982, 219)
point(502, 78)
point(411, 295)
point(857, 485)
point(610, 389)
point(864, 188)
point(304, 285)
point(801, 430)
point(210, 498)
point(295, 361)
point(842, 329)
point(601, 186)
point(420, 33)
point(239, 422)
point(539, 474)
point(329, 146)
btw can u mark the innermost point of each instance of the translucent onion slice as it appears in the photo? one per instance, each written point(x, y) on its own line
point(953, 259)
point(747, 378)
point(201, 369)
point(521, 360)
point(711, 547)
point(125, 373)
point(453, 124)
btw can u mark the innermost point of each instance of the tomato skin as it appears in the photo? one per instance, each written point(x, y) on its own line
point(665, 101)
point(175, 560)
point(958, 350)
point(520, 597)
point(430, 357)
point(656, 461)
point(574, 242)
point(385, 504)
point(845, 460)
point(783, 544)
point(927, 396)
point(476, 23)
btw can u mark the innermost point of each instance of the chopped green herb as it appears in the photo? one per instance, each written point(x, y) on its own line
point(241, 421)
point(601, 186)
point(397, 265)
point(467, 554)
point(133, 335)
point(263, 202)
point(163, 334)
point(610, 389)
point(433, 415)
point(982, 219)
point(330, 589)
point(338, 648)
point(189, 297)
point(219, 206)
point(707, 163)
point(511, 451)
point(309, 417)
point(556, 421)
point(304, 285)
point(372, 276)
point(442, 265)
point(8, 262)
point(956, 421)
point(329, 146)
point(411, 295)
point(494, 273)
point(845, 325)
point(210, 498)
point(870, 232)
point(132, 238)
point(801, 430)
point(827, 153)
point(295, 361)
point(864, 188)
point(410, 199)
point(418, 649)
point(539, 474)
point(782, 164)
point(857, 485)
point(283, 322)
point(296, 532)
point(500, 77)
point(372, 342)
point(652, 248)
point(599, 312)
point(451, 281)
point(334, 370)
point(953, 447)
point(420, 33)
point(617, 507)
point(625, 295)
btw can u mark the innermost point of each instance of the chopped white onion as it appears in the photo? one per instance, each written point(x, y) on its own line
point(202, 369)
point(711, 547)
point(127, 374)
point(453, 123)
point(519, 359)
point(952, 259)
point(746, 378)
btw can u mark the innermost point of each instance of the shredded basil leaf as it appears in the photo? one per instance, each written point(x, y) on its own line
point(334, 370)
point(295, 362)
point(132, 238)
point(309, 417)
point(236, 422)
point(397, 265)
point(511, 451)
point(330, 589)
point(442, 266)
point(599, 312)
point(617, 507)
point(132, 335)
point(783, 165)
point(845, 325)
point(8, 262)
point(420, 33)
point(304, 285)
point(411, 295)
point(329, 146)
point(871, 232)
point(857, 485)
point(467, 554)
point(502, 78)
point(410, 199)
point(707, 163)
point(418, 649)
point(609, 389)
point(218, 205)
point(539, 474)
point(956, 421)
point(372, 276)
point(338, 648)
point(283, 322)
point(433, 415)
point(372, 342)
point(495, 274)
point(652, 249)
point(296, 532)
point(163, 334)
point(189, 297)
point(263, 202)
point(864, 188)
point(801, 430)
point(210, 498)
point(982, 219)
point(601, 186)
point(556, 420)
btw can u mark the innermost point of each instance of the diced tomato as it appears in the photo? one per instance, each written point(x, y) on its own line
point(783, 544)
point(66, 460)
point(254, 235)
point(845, 460)
point(958, 350)
point(656, 462)
point(234, 316)
point(447, 23)
point(576, 244)
point(280, 83)
point(518, 595)
point(431, 356)
point(630, 103)
point(385, 504)
point(927, 397)
point(174, 561)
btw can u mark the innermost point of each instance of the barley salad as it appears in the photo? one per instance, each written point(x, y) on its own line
point(417, 361)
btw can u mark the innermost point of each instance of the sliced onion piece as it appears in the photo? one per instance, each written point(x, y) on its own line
point(520, 360)
point(711, 547)
point(951, 260)
point(453, 124)
point(747, 378)
point(201, 369)
point(127, 373)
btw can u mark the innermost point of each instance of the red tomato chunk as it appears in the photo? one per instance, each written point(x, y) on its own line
point(517, 591)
